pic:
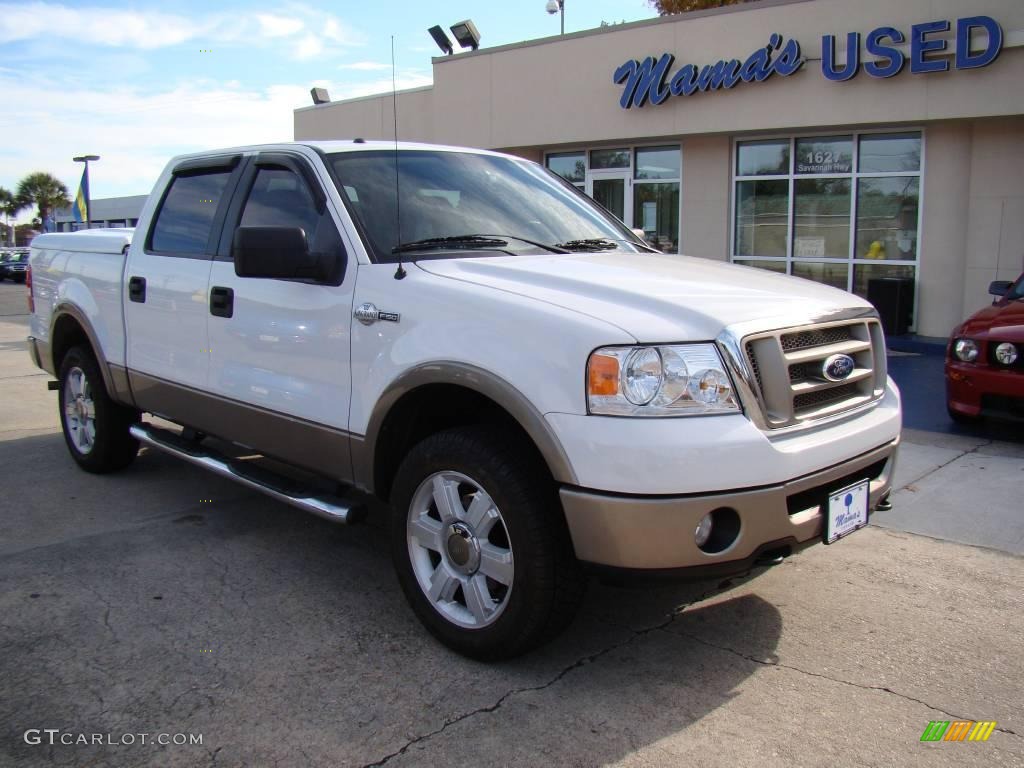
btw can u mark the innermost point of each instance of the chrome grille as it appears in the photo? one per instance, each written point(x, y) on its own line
point(815, 338)
point(788, 366)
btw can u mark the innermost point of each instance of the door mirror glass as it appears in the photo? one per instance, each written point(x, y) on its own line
point(277, 252)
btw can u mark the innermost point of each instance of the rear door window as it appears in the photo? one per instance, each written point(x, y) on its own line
point(185, 221)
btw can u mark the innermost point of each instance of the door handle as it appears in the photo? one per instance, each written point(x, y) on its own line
point(222, 301)
point(137, 290)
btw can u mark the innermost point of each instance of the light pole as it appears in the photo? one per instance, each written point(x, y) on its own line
point(88, 204)
point(557, 6)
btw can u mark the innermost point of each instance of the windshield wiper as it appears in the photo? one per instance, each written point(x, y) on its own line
point(589, 244)
point(471, 241)
point(455, 241)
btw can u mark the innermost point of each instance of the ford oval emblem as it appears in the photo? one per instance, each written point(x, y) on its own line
point(837, 367)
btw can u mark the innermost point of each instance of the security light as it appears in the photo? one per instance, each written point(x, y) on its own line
point(466, 33)
point(320, 95)
point(441, 39)
point(552, 6)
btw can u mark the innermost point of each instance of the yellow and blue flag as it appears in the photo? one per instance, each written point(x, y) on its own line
point(80, 209)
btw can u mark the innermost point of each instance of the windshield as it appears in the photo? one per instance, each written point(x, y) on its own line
point(459, 196)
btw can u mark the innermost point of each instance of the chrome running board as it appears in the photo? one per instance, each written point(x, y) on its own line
point(281, 488)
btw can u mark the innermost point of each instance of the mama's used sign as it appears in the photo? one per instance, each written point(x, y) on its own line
point(653, 81)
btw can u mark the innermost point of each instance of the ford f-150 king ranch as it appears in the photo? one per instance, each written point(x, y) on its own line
point(460, 333)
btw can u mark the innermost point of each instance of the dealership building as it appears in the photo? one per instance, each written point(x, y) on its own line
point(871, 145)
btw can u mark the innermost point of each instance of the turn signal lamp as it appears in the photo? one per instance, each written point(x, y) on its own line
point(603, 375)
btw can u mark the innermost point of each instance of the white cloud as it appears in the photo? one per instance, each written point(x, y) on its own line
point(366, 66)
point(116, 27)
point(278, 26)
point(137, 130)
point(308, 47)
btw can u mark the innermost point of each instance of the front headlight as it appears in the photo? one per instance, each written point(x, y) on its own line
point(966, 350)
point(670, 380)
point(1006, 353)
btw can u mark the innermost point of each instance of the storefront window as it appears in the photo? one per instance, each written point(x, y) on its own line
point(639, 185)
point(611, 193)
point(826, 272)
point(609, 158)
point(571, 166)
point(758, 158)
point(824, 154)
point(821, 218)
point(656, 211)
point(771, 266)
point(890, 152)
point(657, 163)
point(887, 218)
point(762, 218)
point(830, 208)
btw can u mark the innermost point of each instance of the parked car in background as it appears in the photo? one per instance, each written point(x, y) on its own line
point(985, 359)
point(14, 265)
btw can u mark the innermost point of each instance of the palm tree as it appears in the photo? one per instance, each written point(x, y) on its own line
point(44, 191)
point(8, 207)
point(668, 7)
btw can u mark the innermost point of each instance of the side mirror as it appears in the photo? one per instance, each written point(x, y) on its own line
point(276, 252)
point(1000, 287)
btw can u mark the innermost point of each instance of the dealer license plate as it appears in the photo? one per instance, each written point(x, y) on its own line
point(847, 511)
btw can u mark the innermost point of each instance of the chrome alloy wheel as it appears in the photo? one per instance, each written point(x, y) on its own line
point(460, 550)
point(79, 411)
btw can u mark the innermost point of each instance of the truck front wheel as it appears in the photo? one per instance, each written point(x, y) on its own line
point(95, 427)
point(480, 545)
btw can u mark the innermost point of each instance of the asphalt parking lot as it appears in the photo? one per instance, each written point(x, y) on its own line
point(164, 600)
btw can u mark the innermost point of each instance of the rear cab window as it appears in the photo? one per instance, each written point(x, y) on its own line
point(185, 220)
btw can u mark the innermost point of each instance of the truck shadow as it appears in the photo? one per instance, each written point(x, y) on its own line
point(166, 599)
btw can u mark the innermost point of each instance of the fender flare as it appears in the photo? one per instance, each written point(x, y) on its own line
point(115, 383)
point(470, 377)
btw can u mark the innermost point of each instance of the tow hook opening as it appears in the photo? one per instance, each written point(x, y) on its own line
point(773, 556)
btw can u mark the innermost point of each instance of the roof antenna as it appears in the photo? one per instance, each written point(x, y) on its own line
point(400, 273)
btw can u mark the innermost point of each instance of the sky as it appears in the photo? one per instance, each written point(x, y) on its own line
point(138, 82)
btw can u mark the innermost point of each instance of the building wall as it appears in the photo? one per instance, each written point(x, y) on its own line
point(704, 222)
point(560, 90)
point(994, 247)
point(558, 93)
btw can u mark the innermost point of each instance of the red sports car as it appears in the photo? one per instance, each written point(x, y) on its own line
point(985, 359)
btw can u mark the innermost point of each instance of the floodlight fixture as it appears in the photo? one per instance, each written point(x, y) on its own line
point(441, 39)
point(557, 6)
point(320, 95)
point(466, 33)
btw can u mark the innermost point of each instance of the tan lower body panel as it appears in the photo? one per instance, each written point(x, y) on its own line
point(658, 532)
point(323, 450)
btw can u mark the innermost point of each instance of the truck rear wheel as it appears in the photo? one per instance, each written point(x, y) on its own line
point(480, 546)
point(95, 427)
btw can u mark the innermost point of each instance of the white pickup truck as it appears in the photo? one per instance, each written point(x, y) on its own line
point(530, 386)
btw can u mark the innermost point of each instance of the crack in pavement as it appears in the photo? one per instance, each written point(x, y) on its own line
point(931, 472)
point(581, 662)
point(862, 686)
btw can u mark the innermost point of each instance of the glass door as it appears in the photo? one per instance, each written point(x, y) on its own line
point(612, 191)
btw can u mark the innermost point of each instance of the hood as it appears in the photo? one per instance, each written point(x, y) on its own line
point(655, 297)
point(1004, 321)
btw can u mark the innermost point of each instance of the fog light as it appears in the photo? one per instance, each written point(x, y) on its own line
point(703, 532)
point(966, 350)
point(1006, 353)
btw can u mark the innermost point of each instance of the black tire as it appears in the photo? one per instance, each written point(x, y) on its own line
point(547, 584)
point(962, 418)
point(112, 447)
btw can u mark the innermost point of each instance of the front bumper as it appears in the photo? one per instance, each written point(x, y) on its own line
point(973, 389)
point(637, 532)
